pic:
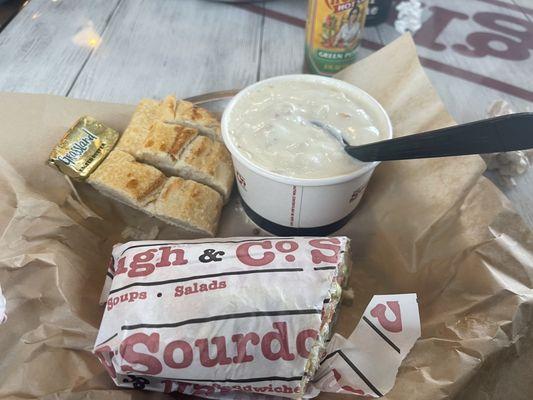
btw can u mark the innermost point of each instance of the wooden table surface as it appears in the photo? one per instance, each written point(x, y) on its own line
point(475, 52)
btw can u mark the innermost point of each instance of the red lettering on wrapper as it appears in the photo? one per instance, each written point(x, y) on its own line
point(128, 353)
point(287, 246)
point(222, 355)
point(166, 252)
point(196, 287)
point(171, 385)
point(182, 387)
point(133, 296)
point(332, 245)
point(243, 254)
point(105, 355)
point(220, 388)
point(186, 351)
point(338, 378)
point(144, 354)
point(301, 341)
point(120, 267)
point(141, 266)
point(281, 338)
point(129, 297)
point(241, 342)
point(143, 263)
point(168, 385)
point(391, 325)
point(203, 390)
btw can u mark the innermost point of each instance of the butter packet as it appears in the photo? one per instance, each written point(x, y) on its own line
point(83, 147)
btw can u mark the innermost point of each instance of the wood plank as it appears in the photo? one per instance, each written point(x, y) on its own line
point(186, 47)
point(282, 49)
point(467, 101)
point(37, 52)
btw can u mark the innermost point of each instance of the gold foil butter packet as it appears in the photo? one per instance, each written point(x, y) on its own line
point(83, 147)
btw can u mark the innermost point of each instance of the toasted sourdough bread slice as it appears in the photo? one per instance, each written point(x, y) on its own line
point(189, 205)
point(175, 149)
point(209, 162)
point(163, 145)
point(186, 204)
point(167, 109)
point(147, 112)
point(199, 118)
point(122, 178)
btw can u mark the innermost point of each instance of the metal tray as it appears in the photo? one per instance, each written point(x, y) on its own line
point(215, 102)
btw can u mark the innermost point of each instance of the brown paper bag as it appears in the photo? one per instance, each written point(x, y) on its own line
point(434, 227)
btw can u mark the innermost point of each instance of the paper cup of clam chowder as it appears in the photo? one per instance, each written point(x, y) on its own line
point(293, 177)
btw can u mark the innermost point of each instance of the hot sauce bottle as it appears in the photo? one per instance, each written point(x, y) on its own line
point(333, 33)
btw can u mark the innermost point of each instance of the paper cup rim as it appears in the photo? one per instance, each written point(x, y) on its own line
point(292, 180)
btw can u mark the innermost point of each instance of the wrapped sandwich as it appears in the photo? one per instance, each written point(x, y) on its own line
point(229, 315)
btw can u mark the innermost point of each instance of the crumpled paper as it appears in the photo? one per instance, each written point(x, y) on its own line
point(409, 18)
point(435, 227)
point(506, 165)
point(338, 375)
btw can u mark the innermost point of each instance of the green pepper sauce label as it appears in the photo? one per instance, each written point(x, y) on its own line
point(333, 33)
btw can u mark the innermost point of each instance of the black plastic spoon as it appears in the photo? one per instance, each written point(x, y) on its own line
point(494, 135)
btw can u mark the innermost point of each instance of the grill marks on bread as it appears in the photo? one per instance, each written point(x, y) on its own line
point(182, 140)
point(187, 204)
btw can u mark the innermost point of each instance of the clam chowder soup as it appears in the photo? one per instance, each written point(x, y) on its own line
point(270, 126)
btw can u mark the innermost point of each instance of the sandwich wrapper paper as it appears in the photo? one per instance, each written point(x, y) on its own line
point(163, 331)
point(436, 228)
